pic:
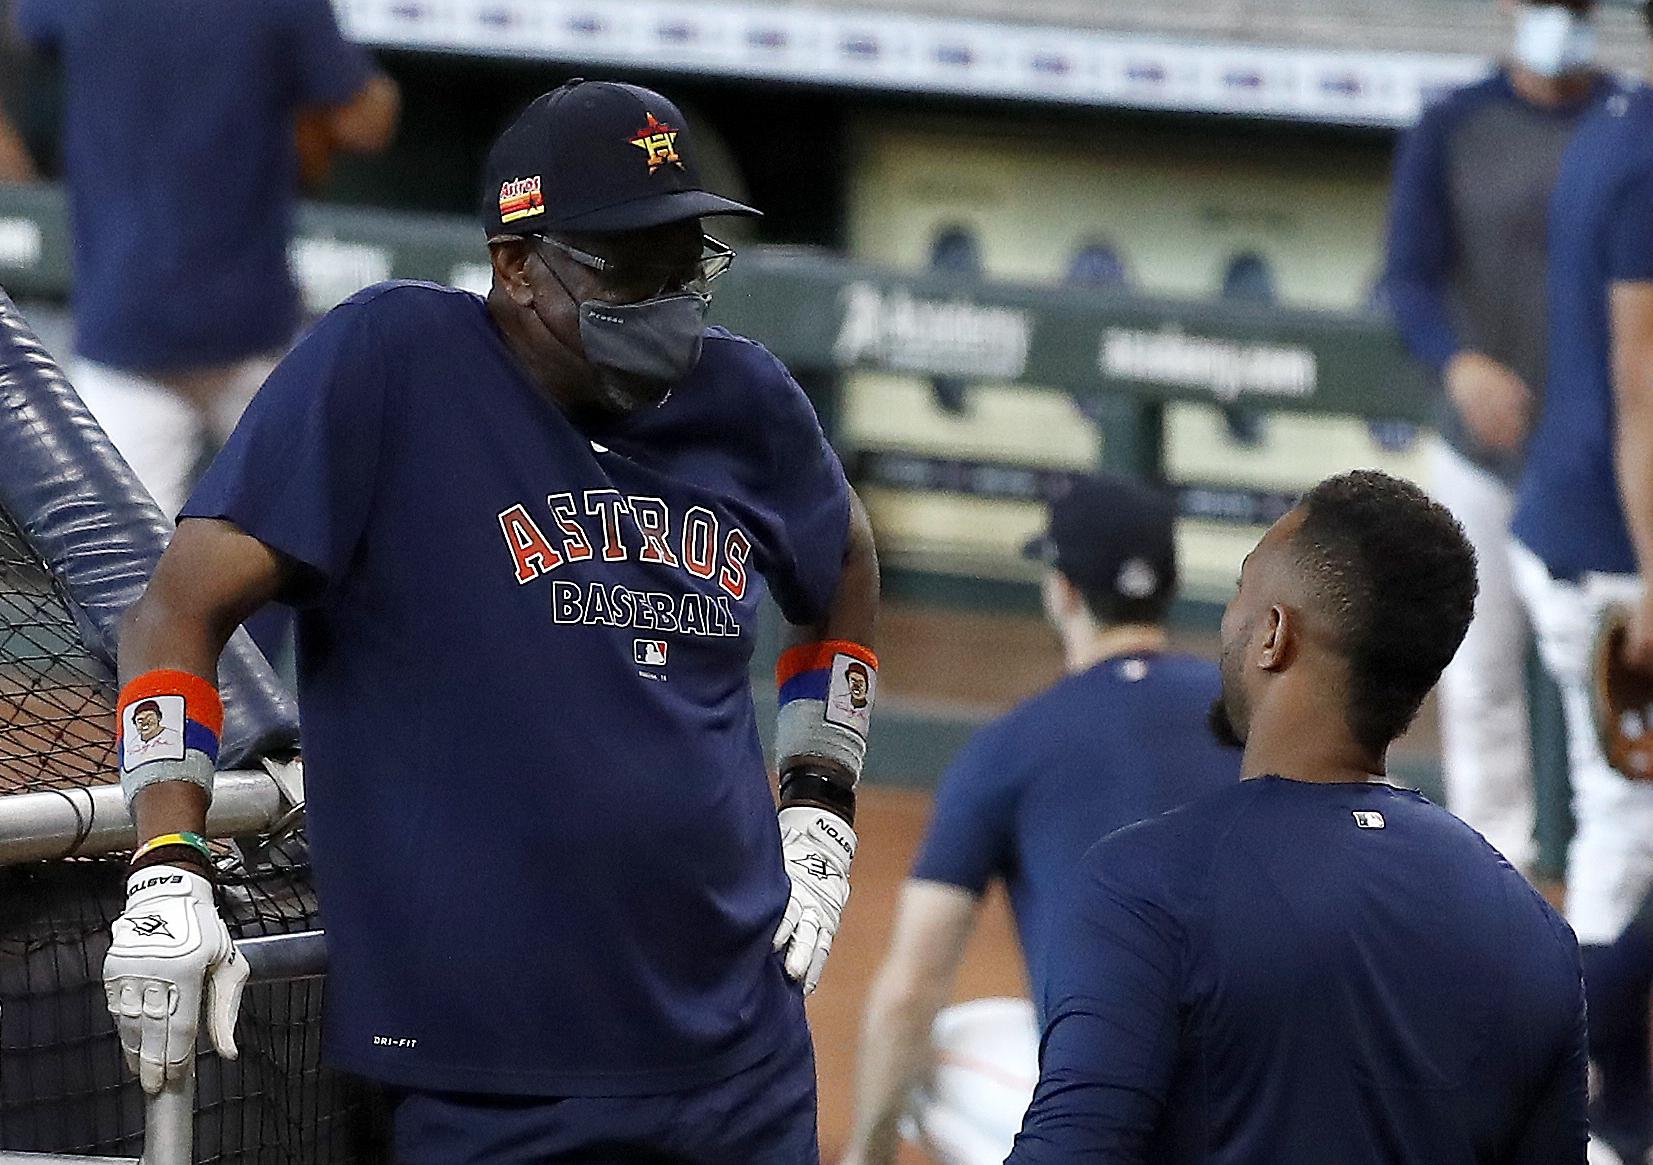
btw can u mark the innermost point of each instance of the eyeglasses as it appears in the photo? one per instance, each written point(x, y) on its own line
point(635, 281)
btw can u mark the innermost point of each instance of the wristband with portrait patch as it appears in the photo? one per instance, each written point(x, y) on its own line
point(167, 728)
point(827, 691)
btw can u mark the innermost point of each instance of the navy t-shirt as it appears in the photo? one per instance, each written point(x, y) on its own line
point(1302, 974)
point(1124, 740)
point(542, 826)
point(179, 151)
point(1601, 232)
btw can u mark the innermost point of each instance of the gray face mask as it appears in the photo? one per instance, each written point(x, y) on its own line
point(641, 350)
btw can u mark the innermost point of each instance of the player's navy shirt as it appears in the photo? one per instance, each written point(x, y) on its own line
point(543, 831)
point(1601, 232)
point(1033, 791)
point(181, 163)
point(1466, 246)
point(1285, 973)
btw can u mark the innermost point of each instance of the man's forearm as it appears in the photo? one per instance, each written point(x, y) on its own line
point(15, 163)
point(208, 581)
point(153, 638)
point(1632, 326)
point(895, 1056)
point(932, 925)
point(1635, 475)
point(821, 764)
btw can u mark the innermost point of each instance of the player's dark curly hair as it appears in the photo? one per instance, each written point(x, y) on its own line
point(1397, 576)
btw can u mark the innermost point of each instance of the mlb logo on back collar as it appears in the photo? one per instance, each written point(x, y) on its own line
point(658, 141)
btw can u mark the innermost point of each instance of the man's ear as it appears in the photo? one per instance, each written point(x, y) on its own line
point(1279, 639)
point(510, 262)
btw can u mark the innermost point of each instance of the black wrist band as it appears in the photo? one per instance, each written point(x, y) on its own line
point(811, 785)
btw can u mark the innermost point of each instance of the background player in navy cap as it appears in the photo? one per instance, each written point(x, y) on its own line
point(1583, 540)
point(1121, 738)
point(574, 930)
point(1315, 966)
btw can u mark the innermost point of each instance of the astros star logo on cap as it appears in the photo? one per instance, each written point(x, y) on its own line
point(659, 142)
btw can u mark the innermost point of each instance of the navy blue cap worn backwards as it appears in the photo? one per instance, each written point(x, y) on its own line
point(597, 157)
point(1111, 533)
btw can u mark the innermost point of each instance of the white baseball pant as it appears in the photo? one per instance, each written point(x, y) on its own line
point(1610, 861)
point(1486, 747)
point(164, 427)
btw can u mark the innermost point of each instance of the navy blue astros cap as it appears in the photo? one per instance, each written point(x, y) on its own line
point(596, 156)
point(1110, 533)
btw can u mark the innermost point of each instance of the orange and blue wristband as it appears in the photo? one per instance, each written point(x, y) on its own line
point(827, 691)
point(168, 725)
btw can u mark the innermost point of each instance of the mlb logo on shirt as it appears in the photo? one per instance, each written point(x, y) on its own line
point(1368, 818)
point(649, 652)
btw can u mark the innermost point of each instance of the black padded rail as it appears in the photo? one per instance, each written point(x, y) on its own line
point(98, 530)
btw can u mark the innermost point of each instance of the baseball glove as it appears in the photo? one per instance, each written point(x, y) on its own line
point(1621, 700)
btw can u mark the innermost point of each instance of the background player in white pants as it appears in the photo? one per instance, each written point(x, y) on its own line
point(181, 201)
point(1584, 537)
point(1122, 738)
point(1466, 261)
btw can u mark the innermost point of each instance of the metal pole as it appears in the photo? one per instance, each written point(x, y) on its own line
point(169, 1123)
point(285, 958)
point(86, 822)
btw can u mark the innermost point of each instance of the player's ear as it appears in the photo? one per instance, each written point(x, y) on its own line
point(509, 256)
point(1280, 630)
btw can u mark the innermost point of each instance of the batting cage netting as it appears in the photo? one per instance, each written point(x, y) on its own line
point(77, 538)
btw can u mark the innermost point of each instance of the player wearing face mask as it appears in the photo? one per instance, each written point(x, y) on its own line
point(1466, 269)
point(576, 930)
point(1555, 40)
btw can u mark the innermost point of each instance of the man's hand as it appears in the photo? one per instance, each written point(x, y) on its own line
point(1494, 402)
point(817, 847)
point(167, 946)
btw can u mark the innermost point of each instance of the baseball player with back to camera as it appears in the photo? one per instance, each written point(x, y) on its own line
point(1121, 738)
point(1315, 966)
point(527, 537)
point(1582, 541)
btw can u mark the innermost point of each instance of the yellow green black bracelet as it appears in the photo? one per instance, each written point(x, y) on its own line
point(193, 840)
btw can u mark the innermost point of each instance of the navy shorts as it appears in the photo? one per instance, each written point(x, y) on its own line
point(765, 1114)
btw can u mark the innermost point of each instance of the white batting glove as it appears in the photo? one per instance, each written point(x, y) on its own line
point(168, 945)
point(817, 847)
